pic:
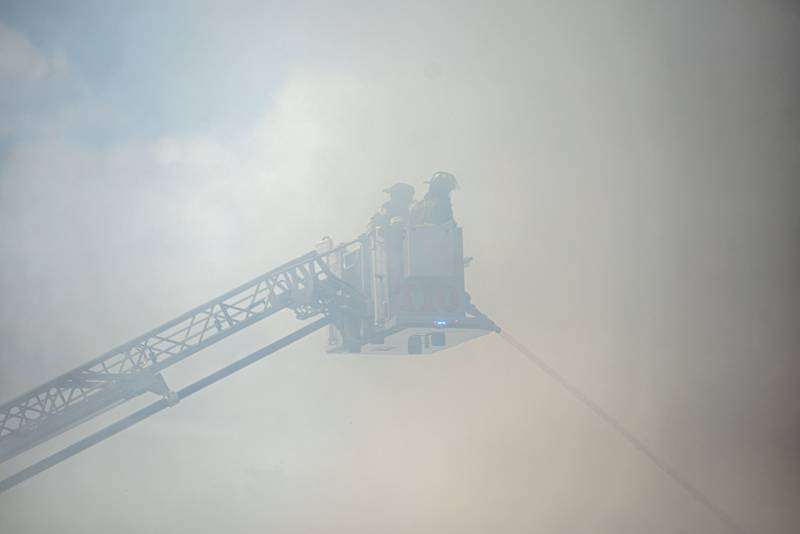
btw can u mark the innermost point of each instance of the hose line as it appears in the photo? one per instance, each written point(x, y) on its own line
point(635, 442)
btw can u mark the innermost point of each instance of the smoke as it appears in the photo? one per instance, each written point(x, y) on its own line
point(628, 187)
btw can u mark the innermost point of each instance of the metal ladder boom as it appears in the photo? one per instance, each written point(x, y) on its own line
point(134, 367)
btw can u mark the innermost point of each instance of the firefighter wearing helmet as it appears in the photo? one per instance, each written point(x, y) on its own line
point(401, 196)
point(435, 208)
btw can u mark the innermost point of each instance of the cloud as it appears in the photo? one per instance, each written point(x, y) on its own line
point(23, 64)
point(40, 95)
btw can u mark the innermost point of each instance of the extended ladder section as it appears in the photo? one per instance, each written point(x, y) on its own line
point(305, 285)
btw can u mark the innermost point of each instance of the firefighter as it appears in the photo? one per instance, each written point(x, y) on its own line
point(435, 208)
point(401, 196)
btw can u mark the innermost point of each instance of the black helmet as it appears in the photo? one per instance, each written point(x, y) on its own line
point(401, 191)
point(443, 181)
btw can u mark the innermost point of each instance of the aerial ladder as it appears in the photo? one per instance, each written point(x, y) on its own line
point(396, 289)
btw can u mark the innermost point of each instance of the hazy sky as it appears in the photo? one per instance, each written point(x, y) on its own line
point(629, 188)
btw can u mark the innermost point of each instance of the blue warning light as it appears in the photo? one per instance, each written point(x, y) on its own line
point(440, 323)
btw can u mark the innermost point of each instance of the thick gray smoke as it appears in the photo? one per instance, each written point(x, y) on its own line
point(629, 188)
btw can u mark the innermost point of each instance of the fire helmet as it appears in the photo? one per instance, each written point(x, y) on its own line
point(443, 181)
point(401, 191)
